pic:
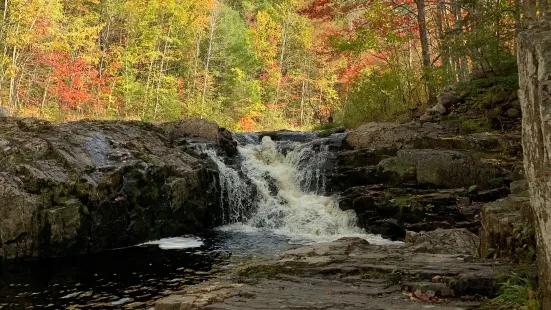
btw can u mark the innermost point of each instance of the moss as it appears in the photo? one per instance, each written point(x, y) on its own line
point(499, 181)
point(327, 126)
point(325, 133)
point(155, 192)
point(475, 125)
point(492, 84)
point(267, 271)
point(373, 274)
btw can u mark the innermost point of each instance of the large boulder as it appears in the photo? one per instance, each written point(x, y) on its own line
point(448, 98)
point(444, 241)
point(202, 130)
point(507, 229)
point(390, 211)
point(442, 168)
point(91, 185)
point(392, 135)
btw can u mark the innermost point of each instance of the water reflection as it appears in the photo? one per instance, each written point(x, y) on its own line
point(134, 277)
point(126, 278)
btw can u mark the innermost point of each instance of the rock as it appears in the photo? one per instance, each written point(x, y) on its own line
point(506, 228)
point(442, 168)
point(391, 136)
point(91, 185)
point(445, 241)
point(519, 187)
point(437, 110)
point(478, 73)
point(388, 229)
point(515, 104)
point(387, 211)
point(425, 118)
point(294, 136)
point(500, 97)
point(448, 98)
point(4, 112)
point(534, 57)
point(349, 274)
point(196, 128)
point(513, 113)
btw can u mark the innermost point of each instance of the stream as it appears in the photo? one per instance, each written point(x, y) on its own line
point(274, 200)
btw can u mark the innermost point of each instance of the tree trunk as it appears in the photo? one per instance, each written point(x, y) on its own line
point(444, 46)
point(208, 57)
point(530, 11)
point(534, 62)
point(281, 58)
point(159, 80)
point(196, 66)
point(425, 49)
point(458, 30)
point(303, 93)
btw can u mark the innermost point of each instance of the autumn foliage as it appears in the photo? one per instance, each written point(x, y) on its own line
point(248, 65)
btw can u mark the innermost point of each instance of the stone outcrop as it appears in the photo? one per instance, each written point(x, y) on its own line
point(444, 241)
point(421, 177)
point(93, 185)
point(391, 211)
point(441, 168)
point(200, 130)
point(351, 274)
point(507, 229)
point(391, 136)
point(534, 61)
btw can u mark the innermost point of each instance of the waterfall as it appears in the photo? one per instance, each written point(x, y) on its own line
point(288, 197)
point(235, 193)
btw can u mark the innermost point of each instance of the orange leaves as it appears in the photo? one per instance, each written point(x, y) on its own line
point(246, 124)
point(76, 83)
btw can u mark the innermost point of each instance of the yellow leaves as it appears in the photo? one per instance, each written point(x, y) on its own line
point(11, 71)
point(266, 35)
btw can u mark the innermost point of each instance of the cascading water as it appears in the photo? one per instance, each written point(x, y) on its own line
point(235, 193)
point(272, 200)
point(289, 181)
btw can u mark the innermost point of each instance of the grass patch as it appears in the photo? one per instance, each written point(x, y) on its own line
point(517, 293)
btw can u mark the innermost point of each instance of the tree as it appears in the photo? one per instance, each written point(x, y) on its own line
point(535, 96)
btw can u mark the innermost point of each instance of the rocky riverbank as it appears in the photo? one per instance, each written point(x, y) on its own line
point(458, 201)
point(353, 274)
point(421, 177)
point(87, 186)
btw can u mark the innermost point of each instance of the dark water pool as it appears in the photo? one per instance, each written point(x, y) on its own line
point(129, 278)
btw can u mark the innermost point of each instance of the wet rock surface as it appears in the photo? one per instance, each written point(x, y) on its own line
point(421, 177)
point(349, 274)
point(91, 185)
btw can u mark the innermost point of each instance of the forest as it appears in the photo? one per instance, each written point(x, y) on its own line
point(248, 64)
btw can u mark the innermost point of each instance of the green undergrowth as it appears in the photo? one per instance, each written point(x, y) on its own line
point(516, 293)
point(475, 126)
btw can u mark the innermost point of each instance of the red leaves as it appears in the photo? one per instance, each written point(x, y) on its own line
point(75, 82)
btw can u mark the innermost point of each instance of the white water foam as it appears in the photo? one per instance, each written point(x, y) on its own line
point(177, 243)
point(285, 208)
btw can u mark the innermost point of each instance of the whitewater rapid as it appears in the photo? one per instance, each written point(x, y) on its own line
point(289, 195)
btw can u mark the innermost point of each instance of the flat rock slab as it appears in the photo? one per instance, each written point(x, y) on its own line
point(349, 274)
